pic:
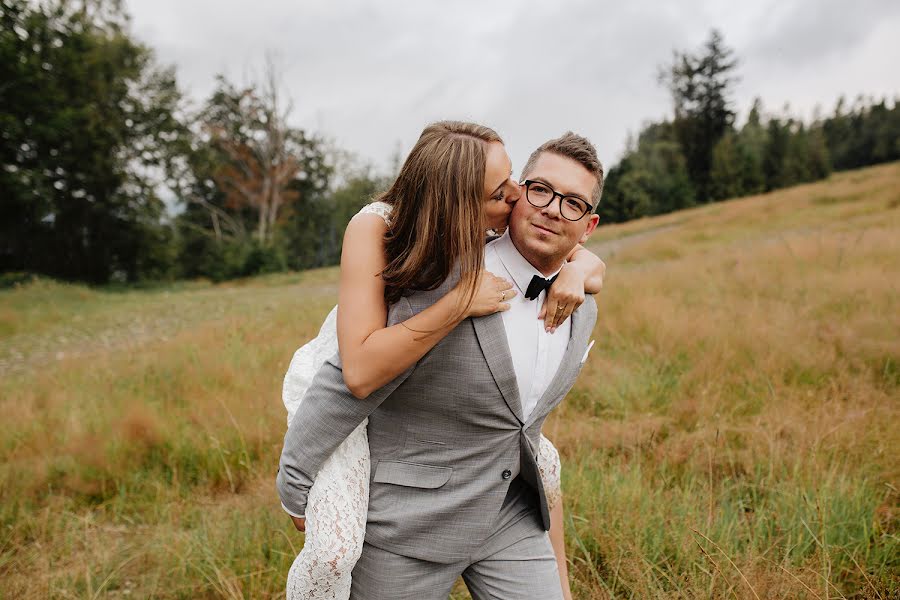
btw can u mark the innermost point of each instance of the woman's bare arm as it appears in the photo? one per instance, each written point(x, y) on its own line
point(372, 354)
point(582, 274)
point(591, 266)
point(558, 541)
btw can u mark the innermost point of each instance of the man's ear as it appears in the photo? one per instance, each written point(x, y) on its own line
point(591, 226)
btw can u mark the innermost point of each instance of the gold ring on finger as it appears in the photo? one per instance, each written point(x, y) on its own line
point(502, 295)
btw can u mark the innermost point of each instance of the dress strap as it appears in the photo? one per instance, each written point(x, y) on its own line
point(382, 209)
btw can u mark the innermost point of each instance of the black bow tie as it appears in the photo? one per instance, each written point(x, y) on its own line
point(538, 284)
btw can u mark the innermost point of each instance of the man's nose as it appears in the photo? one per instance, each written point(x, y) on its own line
point(551, 211)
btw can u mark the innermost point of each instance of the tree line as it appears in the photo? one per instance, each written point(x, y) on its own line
point(96, 140)
point(701, 155)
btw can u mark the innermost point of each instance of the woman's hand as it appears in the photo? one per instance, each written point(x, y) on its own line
point(299, 523)
point(491, 296)
point(563, 297)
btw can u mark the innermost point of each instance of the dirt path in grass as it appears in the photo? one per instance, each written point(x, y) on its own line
point(609, 248)
point(151, 317)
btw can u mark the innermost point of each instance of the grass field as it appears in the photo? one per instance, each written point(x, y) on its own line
point(735, 433)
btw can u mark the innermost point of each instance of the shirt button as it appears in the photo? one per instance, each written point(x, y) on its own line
point(507, 474)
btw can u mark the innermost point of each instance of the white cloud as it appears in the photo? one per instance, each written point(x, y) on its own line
point(372, 74)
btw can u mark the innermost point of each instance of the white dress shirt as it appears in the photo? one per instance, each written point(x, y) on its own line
point(536, 354)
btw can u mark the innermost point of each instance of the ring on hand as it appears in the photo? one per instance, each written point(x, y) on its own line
point(502, 295)
point(559, 309)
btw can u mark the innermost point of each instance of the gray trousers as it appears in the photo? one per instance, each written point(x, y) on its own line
point(516, 562)
point(527, 569)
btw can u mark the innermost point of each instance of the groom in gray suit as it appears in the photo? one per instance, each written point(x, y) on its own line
point(455, 488)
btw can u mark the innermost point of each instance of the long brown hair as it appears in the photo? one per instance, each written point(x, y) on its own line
point(437, 215)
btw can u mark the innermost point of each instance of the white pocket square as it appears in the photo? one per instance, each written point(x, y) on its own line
point(586, 352)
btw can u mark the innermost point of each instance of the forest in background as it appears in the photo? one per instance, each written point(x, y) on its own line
point(701, 155)
point(97, 137)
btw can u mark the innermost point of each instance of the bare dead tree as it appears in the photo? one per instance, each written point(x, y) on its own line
point(261, 163)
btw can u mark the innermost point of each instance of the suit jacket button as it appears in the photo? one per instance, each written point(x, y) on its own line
point(507, 474)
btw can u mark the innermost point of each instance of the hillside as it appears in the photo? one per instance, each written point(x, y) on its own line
point(733, 434)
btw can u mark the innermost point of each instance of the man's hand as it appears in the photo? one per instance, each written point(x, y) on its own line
point(299, 523)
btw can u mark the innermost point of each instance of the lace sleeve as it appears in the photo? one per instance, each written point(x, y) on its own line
point(382, 209)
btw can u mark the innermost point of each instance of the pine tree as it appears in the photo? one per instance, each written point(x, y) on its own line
point(701, 86)
point(725, 176)
point(752, 141)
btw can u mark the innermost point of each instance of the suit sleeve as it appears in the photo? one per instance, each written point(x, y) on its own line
point(327, 416)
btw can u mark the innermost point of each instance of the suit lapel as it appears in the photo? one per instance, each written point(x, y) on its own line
point(582, 326)
point(492, 339)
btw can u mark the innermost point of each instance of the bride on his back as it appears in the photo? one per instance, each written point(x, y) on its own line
point(454, 186)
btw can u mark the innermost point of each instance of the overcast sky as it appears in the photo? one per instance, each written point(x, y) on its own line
point(370, 75)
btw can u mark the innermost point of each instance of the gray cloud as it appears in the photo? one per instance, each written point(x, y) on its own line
point(809, 31)
point(372, 74)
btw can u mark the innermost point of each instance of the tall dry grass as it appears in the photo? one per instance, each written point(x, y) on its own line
point(737, 435)
point(733, 435)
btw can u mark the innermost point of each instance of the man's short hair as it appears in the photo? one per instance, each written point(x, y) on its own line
point(578, 148)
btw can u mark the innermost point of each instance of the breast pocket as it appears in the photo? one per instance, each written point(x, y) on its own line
point(410, 474)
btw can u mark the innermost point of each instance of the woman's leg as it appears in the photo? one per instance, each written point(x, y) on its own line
point(558, 541)
point(550, 468)
point(335, 524)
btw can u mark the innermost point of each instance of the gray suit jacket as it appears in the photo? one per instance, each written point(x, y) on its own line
point(446, 437)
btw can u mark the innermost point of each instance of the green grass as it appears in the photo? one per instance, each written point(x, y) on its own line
point(733, 435)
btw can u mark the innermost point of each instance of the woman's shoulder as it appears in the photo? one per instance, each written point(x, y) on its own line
point(382, 209)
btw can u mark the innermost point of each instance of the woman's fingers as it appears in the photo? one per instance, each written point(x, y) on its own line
point(506, 294)
point(505, 291)
point(557, 308)
point(571, 307)
point(493, 295)
point(498, 291)
point(559, 317)
point(564, 314)
point(548, 311)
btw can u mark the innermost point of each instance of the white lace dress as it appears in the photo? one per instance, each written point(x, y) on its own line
point(338, 501)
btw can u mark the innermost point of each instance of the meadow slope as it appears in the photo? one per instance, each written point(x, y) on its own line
point(734, 434)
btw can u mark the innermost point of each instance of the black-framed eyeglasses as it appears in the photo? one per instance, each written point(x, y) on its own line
point(539, 195)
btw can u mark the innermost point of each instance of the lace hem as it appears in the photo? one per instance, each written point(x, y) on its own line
point(550, 468)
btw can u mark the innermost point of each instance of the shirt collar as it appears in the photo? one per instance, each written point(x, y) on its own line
point(520, 269)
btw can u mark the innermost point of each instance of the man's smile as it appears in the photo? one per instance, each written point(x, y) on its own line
point(544, 229)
